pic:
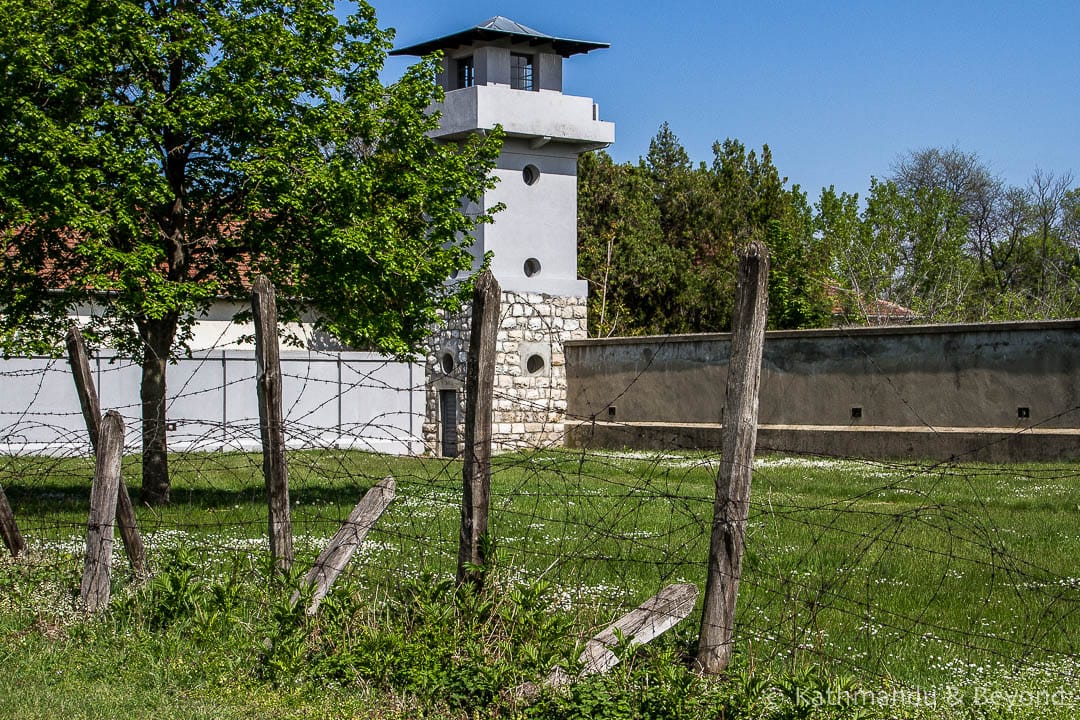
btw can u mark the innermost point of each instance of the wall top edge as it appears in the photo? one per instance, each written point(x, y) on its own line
point(286, 354)
point(856, 429)
point(959, 328)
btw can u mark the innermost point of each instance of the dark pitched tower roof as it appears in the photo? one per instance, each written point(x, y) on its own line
point(497, 28)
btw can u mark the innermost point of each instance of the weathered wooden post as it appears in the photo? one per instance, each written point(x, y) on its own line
point(272, 422)
point(91, 410)
point(648, 621)
point(337, 553)
point(479, 388)
point(732, 501)
point(79, 359)
point(9, 530)
point(95, 589)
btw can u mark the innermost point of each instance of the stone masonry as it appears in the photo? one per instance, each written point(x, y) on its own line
point(529, 404)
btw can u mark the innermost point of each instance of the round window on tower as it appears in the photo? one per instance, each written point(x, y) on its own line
point(532, 267)
point(535, 364)
point(447, 363)
point(530, 174)
point(535, 358)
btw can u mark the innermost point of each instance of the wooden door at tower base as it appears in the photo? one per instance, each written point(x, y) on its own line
point(448, 421)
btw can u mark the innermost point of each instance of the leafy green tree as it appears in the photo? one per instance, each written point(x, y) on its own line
point(798, 280)
point(676, 192)
point(156, 154)
point(904, 247)
point(864, 247)
point(1017, 238)
point(750, 189)
point(634, 276)
point(838, 227)
point(686, 197)
point(1070, 222)
point(658, 241)
point(937, 275)
point(752, 201)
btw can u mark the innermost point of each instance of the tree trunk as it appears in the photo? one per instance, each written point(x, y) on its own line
point(158, 337)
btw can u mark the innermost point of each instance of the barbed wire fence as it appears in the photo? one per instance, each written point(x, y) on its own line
point(870, 567)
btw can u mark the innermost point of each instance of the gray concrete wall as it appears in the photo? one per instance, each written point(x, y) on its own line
point(923, 391)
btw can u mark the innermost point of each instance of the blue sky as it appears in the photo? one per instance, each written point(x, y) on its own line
point(837, 90)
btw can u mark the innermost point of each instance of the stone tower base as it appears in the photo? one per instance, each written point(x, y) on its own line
point(529, 403)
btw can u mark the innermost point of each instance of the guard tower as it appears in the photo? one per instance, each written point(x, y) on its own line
point(503, 73)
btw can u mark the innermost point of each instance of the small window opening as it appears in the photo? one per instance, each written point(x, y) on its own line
point(534, 364)
point(521, 72)
point(856, 413)
point(447, 363)
point(1023, 413)
point(611, 411)
point(530, 174)
point(466, 73)
point(532, 267)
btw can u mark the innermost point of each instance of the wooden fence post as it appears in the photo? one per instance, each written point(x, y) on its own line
point(479, 388)
point(272, 422)
point(9, 530)
point(95, 589)
point(91, 410)
point(732, 502)
point(337, 553)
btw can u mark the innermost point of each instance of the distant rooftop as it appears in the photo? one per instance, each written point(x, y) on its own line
point(497, 28)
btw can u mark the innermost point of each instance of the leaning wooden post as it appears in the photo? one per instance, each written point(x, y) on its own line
point(95, 588)
point(91, 410)
point(732, 501)
point(479, 388)
point(9, 530)
point(79, 359)
point(337, 553)
point(272, 422)
point(650, 620)
point(647, 622)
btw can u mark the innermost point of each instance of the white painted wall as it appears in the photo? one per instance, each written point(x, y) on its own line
point(217, 331)
point(568, 118)
point(340, 399)
point(539, 222)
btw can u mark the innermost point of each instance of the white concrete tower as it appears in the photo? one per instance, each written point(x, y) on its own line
point(502, 73)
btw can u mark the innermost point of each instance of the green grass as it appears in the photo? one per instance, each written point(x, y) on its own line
point(951, 579)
